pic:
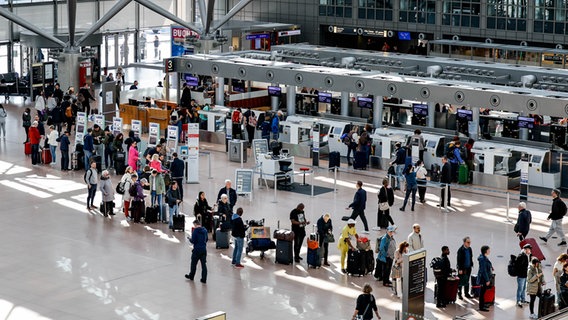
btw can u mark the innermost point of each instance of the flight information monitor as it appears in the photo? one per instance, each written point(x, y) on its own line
point(420, 109)
point(365, 102)
point(324, 97)
point(274, 91)
point(465, 114)
point(526, 122)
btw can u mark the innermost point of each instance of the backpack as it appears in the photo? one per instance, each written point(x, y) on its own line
point(120, 187)
point(437, 264)
point(378, 244)
point(236, 117)
point(450, 154)
point(133, 190)
point(85, 175)
point(512, 266)
point(69, 112)
point(346, 139)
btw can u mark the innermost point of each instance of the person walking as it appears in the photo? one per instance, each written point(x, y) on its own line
point(464, 265)
point(411, 188)
point(347, 241)
point(366, 304)
point(386, 200)
point(484, 275)
point(358, 205)
point(64, 148)
point(199, 252)
point(108, 193)
point(299, 222)
point(399, 163)
point(325, 229)
point(524, 220)
point(238, 233)
point(535, 281)
point(421, 173)
point(91, 179)
point(521, 267)
point(3, 116)
point(557, 212)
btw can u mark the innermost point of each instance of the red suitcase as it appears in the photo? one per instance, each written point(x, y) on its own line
point(536, 252)
point(27, 148)
point(451, 289)
point(46, 156)
point(489, 297)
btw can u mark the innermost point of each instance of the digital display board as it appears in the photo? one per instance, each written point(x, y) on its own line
point(274, 91)
point(526, 122)
point(191, 80)
point(420, 109)
point(238, 85)
point(403, 35)
point(465, 114)
point(365, 102)
point(324, 97)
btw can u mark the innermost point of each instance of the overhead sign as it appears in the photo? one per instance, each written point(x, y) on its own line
point(289, 33)
point(169, 65)
point(358, 31)
point(179, 46)
point(257, 36)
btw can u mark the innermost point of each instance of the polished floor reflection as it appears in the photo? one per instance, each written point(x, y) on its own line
point(60, 261)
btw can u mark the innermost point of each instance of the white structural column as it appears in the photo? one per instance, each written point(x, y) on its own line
point(220, 92)
point(378, 111)
point(431, 114)
point(344, 103)
point(291, 100)
point(474, 127)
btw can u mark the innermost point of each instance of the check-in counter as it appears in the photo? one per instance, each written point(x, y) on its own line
point(215, 132)
point(129, 112)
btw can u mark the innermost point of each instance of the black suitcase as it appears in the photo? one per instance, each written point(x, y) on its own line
point(360, 160)
point(382, 220)
point(178, 222)
point(546, 304)
point(334, 159)
point(120, 162)
point(314, 258)
point(77, 160)
point(435, 172)
point(151, 215)
point(221, 239)
point(369, 259)
point(356, 263)
point(99, 160)
point(284, 251)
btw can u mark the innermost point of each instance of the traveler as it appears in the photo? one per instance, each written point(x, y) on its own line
point(347, 241)
point(108, 193)
point(238, 233)
point(411, 188)
point(386, 200)
point(325, 229)
point(64, 147)
point(397, 268)
point(177, 169)
point(91, 179)
point(385, 256)
point(173, 199)
point(3, 116)
point(557, 271)
point(230, 192)
point(358, 205)
point(445, 180)
point(366, 304)
point(399, 163)
point(88, 147)
point(133, 156)
point(524, 220)
point(535, 281)
point(557, 212)
point(415, 240)
point(299, 222)
point(53, 142)
point(484, 276)
point(199, 252)
point(521, 267)
point(464, 265)
point(202, 208)
point(27, 122)
point(442, 278)
point(421, 173)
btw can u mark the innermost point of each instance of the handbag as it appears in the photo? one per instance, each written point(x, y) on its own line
point(396, 271)
point(328, 238)
point(391, 171)
point(384, 206)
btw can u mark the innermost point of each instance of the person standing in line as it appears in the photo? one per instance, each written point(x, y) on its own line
point(484, 275)
point(127, 181)
point(535, 281)
point(397, 265)
point(173, 199)
point(177, 168)
point(91, 179)
point(557, 212)
point(64, 147)
point(108, 193)
point(366, 304)
point(521, 267)
point(108, 143)
point(3, 116)
point(445, 180)
point(411, 188)
point(27, 123)
point(35, 137)
point(265, 128)
point(524, 220)
point(358, 205)
point(353, 140)
point(199, 239)
point(563, 301)
point(456, 160)
point(464, 265)
point(88, 147)
point(442, 278)
point(347, 241)
point(417, 140)
point(557, 273)
point(399, 163)
point(157, 190)
point(230, 192)
point(275, 126)
point(250, 125)
point(98, 138)
point(53, 139)
point(415, 241)
point(238, 233)
point(421, 181)
point(133, 155)
point(325, 227)
point(386, 249)
point(299, 222)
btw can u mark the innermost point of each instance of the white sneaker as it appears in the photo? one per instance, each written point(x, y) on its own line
point(533, 316)
point(376, 228)
point(365, 232)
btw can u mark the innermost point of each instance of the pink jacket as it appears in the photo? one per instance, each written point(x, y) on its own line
point(156, 165)
point(133, 156)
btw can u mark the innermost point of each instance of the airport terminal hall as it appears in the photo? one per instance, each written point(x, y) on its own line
point(248, 159)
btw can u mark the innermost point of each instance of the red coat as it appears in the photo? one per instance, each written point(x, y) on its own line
point(34, 135)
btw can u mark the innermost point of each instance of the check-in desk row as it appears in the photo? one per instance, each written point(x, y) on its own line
point(146, 115)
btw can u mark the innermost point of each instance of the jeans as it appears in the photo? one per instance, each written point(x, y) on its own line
point(238, 251)
point(196, 256)
point(156, 199)
point(3, 128)
point(91, 195)
point(398, 170)
point(521, 289)
point(555, 226)
point(108, 157)
point(52, 150)
point(35, 154)
point(360, 213)
point(275, 136)
point(173, 210)
point(64, 159)
point(409, 191)
point(88, 155)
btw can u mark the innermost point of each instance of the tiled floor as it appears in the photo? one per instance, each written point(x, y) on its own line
point(59, 261)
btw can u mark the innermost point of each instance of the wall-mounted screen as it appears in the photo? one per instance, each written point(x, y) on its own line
point(526, 122)
point(324, 97)
point(238, 85)
point(191, 80)
point(420, 109)
point(404, 35)
point(274, 91)
point(365, 102)
point(465, 114)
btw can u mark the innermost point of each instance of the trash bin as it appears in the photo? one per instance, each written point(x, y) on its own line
point(235, 150)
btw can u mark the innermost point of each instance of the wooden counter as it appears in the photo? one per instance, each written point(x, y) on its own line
point(146, 115)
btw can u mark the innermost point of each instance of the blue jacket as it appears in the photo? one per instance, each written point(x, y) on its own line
point(384, 248)
point(275, 124)
point(400, 156)
point(265, 126)
point(485, 269)
point(199, 239)
point(64, 143)
point(88, 143)
point(411, 180)
point(457, 156)
point(359, 200)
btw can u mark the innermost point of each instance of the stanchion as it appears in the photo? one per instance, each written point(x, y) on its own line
point(209, 161)
point(334, 179)
point(313, 174)
point(508, 206)
point(446, 199)
point(242, 155)
point(275, 188)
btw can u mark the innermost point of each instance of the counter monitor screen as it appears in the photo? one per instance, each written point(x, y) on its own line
point(365, 102)
point(274, 91)
point(238, 85)
point(420, 109)
point(404, 35)
point(191, 81)
point(526, 122)
point(324, 97)
point(465, 114)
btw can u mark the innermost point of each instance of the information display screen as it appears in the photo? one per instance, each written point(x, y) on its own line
point(404, 35)
point(420, 109)
point(324, 97)
point(465, 114)
point(191, 80)
point(238, 85)
point(365, 102)
point(274, 91)
point(526, 122)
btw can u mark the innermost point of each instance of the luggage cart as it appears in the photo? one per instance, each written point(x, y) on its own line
point(258, 238)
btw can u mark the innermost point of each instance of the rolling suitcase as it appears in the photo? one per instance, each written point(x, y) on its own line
point(27, 148)
point(489, 296)
point(360, 160)
point(355, 263)
point(76, 161)
point(119, 162)
point(99, 160)
point(536, 251)
point(137, 208)
point(369, 259)
point(382, 220)
point(475, 287)
point(435, 173)
point(546, 303)
point(334, 159)
point(463, 174)
point(46, 156)
point(221, 239)
point(178, 222)
point(151, 214)
point(450, 291)
point(284, 251)
point(314, 258)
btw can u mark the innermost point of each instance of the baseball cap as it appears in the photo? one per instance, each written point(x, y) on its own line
point(351, 221)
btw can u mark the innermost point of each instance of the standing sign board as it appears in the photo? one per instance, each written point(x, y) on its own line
point(193, 153)
point(244, 181)
point(100, 120)
point(414, 286)
point(153, 134)
point(136, 127)
point(229, 128)
point(116, 125)
point(81, 127)
point(524, 191)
